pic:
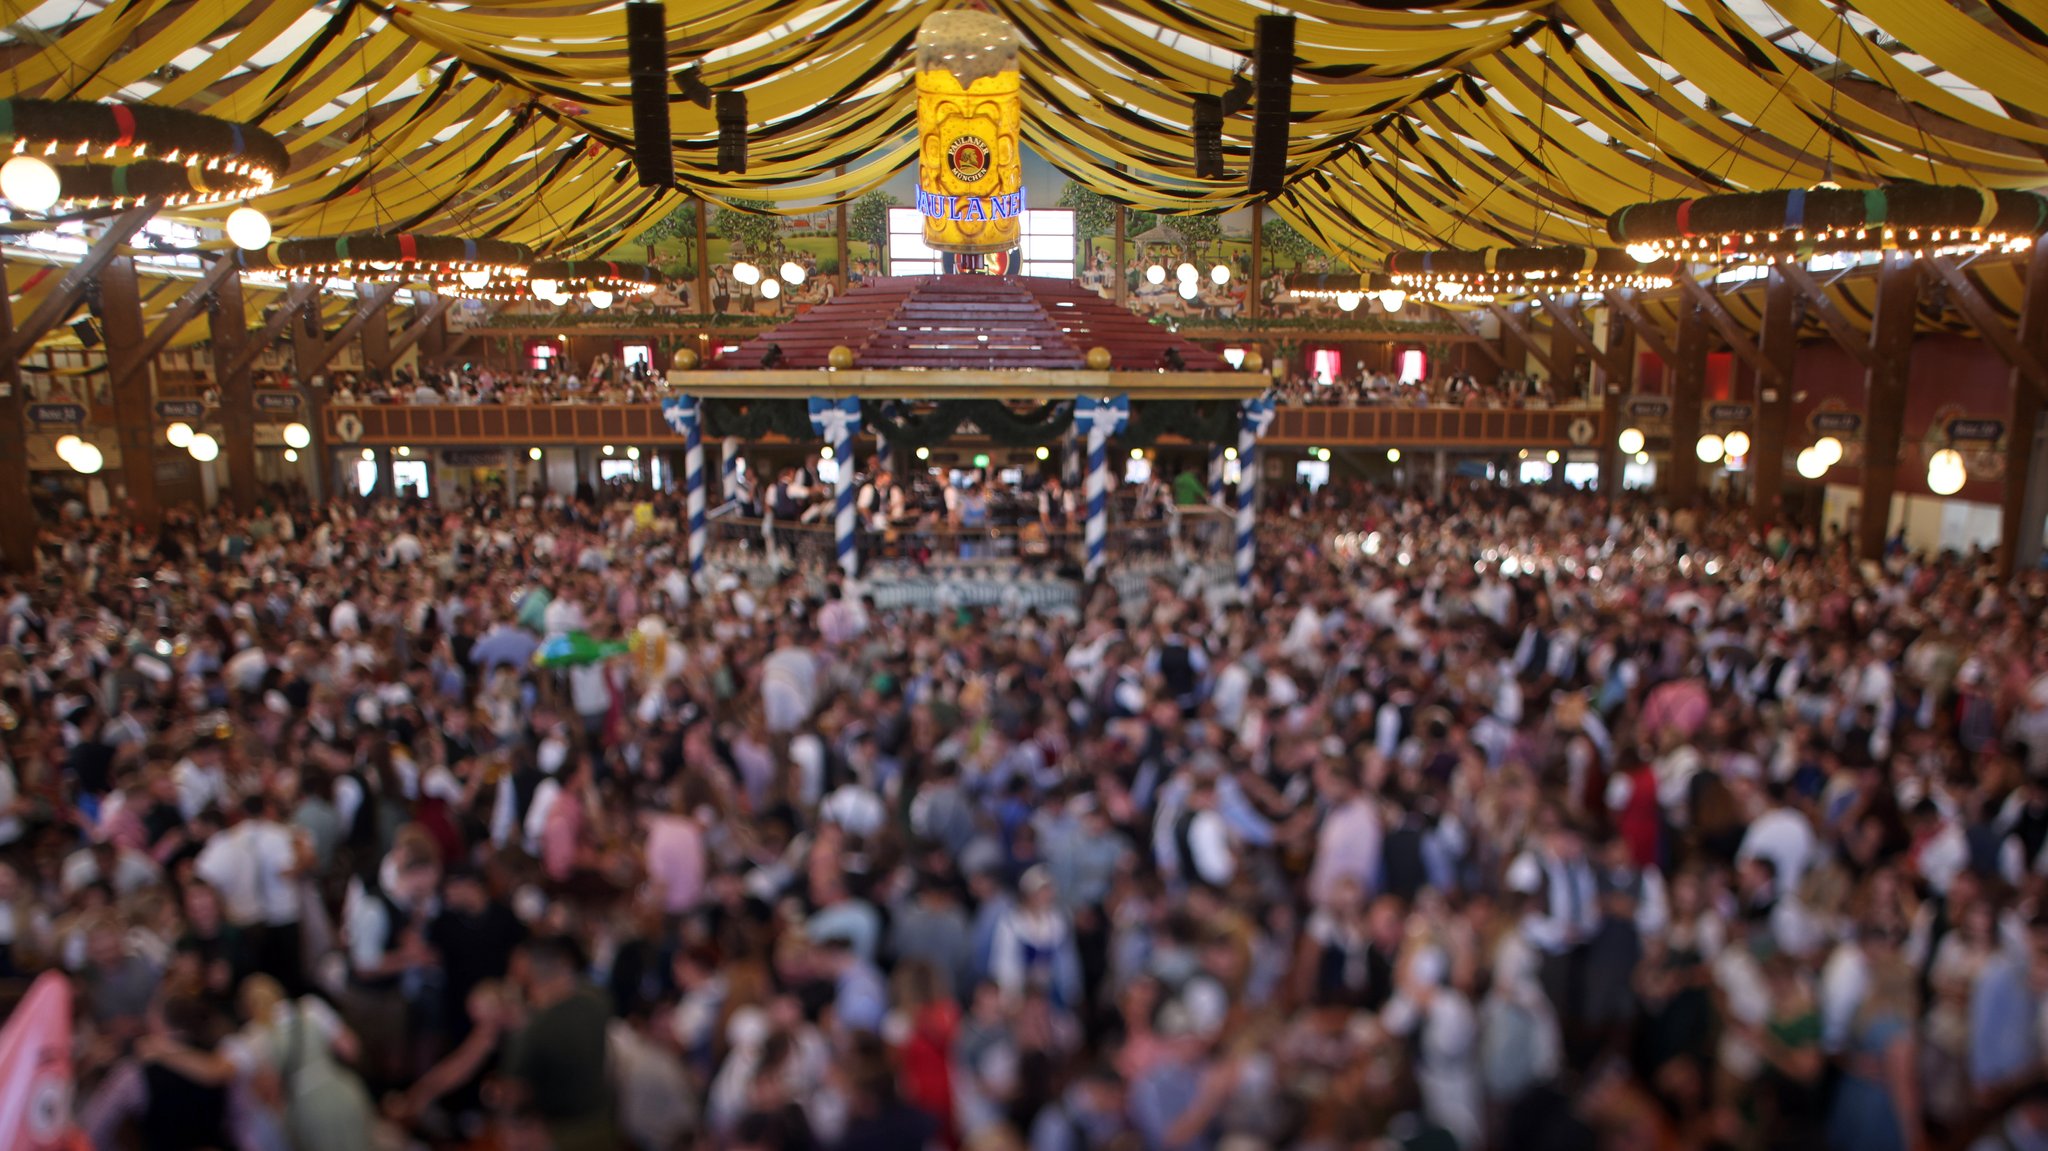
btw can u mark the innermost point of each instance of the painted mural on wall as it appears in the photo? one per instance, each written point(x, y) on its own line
point(1204, 243)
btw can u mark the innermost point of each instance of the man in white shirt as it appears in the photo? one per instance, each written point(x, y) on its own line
point(1780, 834)
point(254, 867)
point(201, 778)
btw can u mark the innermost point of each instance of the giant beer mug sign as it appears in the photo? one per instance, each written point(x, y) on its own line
point(970, 186)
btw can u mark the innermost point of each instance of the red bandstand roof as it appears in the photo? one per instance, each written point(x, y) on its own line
point(973, 323)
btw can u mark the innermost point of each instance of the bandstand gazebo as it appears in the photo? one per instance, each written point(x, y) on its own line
point(916, 358)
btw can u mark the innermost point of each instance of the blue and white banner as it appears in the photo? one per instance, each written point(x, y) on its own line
point(1254, 418)
point(1098, 420)
point(839, 422)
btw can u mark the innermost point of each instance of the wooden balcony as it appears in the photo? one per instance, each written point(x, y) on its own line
point(1439, 427)
point(551, 425)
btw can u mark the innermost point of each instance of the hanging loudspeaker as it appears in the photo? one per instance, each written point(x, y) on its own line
point(1208, 137)
point(647, 64)
point(732, 131)
point(1272, 102)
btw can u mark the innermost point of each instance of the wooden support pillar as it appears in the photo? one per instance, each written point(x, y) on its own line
point(704, 256)
point(1688, 393)
point(1565, 358)
point(433, 340)
point(376, 336)
point(2019, 538)
point(1779, 340)
point(1252, 302)
point(307, 342)
point(1613, 380)
point(1884, 421)
point(1121, 282)
point(134, 405)
point(228, 326)
point(18, 524)
point(840, 245)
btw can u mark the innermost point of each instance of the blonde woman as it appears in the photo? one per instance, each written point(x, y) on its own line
point(302, 1042)
point(1877, 1103)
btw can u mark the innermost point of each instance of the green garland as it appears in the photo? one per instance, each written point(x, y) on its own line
point(1359, 326)
point(1044, 424)
point(753, 419)
point(1200, 422)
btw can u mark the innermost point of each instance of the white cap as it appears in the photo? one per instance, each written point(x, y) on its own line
point(1525, 875)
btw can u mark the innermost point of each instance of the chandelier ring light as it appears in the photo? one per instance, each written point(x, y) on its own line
point(116, 155)
point(1801, 221)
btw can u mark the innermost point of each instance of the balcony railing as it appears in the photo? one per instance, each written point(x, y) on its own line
point(548, 425)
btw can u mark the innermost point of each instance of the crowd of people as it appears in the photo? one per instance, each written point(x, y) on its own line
point(1366, 388)
point(1520, 820)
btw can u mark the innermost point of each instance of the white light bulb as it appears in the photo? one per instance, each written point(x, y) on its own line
point(291, 455)
point(179, 435)
point(1630, 441)
point(1349, 301)
point(609, 450)
point(204, 448)
point(1829, 449)
point(1642, 457)
point(746, 273)
point(770, 289)
point(825, 453)
point(476, 279)
point(1392, 299)
point(1737, 443)
point(1710, 449)
point(248, 228)
point(632, 453)
point(1219, 275)
point(1188, 290)
point(924, 453)
point(1810, 464)
point(543, 287)
point(1186, 272)
point(297, 435)
point(30, 184)
point(1393, 455)
point(369, 455)
point(1644, 253)
point(1450, 289)
point(1044, 453)
point(85, 459)
point(1946, 472)
point(533, 454)
point(1550, 457)
point(1155, 274)
point(794, 272)
point(599, 298)
point(66, 445)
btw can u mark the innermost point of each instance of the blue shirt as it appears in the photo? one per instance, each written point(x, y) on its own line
point(862, 998)
point(2003, 1044)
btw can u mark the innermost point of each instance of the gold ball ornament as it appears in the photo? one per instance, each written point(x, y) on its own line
point(1253, 361)
point(1099, 359)
point(686, 359)
point(840, 358)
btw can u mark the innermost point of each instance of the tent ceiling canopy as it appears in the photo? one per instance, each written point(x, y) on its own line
point(1457, 124)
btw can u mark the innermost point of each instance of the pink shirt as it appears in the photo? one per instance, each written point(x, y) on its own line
point(558, 838)
point(675, 860)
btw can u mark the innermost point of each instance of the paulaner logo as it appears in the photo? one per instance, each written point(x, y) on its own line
point(968, 158)
point(965, 208)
